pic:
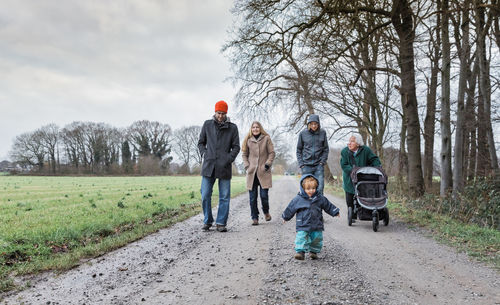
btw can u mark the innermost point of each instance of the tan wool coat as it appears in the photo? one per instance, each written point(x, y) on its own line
point(259, 153)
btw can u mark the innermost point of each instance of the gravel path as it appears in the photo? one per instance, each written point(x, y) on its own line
point(255, 265)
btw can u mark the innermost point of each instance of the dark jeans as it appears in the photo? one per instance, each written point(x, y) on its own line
point(264, 198)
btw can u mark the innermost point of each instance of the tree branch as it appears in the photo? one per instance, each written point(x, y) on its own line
point(360, 71)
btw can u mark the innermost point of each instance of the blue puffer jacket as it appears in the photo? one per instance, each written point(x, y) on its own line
point(312, 146)
point(309, 210)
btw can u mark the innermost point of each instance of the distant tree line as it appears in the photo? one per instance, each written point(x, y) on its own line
point(143, 148)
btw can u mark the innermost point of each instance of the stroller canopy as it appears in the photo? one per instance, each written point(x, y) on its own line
point(370, 172)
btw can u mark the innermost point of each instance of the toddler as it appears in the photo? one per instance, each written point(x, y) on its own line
point(308, 205)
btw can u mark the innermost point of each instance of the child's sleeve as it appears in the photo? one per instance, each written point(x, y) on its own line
point(329, 207)
point(289, 211)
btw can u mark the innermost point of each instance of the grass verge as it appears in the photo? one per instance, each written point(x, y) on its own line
point(480, 243)
point(53, 223)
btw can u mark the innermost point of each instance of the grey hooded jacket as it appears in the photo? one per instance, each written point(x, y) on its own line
point(312, 146)
point(219, 146)
point(309, 210)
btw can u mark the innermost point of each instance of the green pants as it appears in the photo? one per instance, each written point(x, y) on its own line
point(309, 241)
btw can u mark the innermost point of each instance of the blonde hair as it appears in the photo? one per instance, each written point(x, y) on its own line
point(309, 181)
point(244, 146)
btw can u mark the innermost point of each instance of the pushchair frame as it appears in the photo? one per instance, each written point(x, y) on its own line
point(370, 196)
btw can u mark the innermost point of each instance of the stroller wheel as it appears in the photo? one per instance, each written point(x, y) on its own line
point(349, 216)
point(375, 224)
point(375, 221)
point(386, 217)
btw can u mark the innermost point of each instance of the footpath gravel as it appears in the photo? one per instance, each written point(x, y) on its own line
point(255, 265)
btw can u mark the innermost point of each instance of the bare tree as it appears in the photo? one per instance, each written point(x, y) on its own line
point(185, 145)
point(446, 174)
point(462, 41)
point(73, 137)
point(92, 147)
point(28, 149)
point(150, 138)
point(271, 43)
point(49, 138)
point(434, 55)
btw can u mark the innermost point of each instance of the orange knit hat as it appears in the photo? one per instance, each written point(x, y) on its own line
point(221, 106)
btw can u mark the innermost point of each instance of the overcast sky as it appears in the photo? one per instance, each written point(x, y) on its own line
point(111, 61)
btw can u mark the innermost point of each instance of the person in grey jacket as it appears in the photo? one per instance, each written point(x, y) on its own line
point(219, 146)
point(312, 150)
point(308, 206)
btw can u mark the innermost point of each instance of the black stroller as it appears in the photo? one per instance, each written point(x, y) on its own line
point(370, 195)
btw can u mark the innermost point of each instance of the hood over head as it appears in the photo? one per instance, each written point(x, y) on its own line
point(313, 118)
point(302, 191)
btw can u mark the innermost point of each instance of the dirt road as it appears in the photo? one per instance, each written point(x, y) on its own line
point(255, 265)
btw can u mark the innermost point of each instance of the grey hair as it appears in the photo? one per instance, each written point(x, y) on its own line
point(358, 138)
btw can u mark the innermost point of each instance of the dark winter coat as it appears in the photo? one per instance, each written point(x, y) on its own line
point(312, 146)
point(363, 157)
point(309, 210)
point(219, 146)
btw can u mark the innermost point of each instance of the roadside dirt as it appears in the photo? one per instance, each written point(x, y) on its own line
point(255, 265)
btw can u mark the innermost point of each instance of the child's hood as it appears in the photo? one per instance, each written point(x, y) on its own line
point(302, 191)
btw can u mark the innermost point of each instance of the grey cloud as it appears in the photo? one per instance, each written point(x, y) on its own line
point(62, 58)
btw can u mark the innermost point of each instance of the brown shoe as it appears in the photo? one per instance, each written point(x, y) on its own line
point(313, 255)
point(221, 228)
point(299, 256)
point(268, 217)
point(255, 222)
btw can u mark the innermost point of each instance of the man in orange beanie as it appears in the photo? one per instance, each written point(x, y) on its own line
point(219, 146)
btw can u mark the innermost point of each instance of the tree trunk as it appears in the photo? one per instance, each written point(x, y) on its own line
point(403, 158)
point(463, 48)
point(483, 153)
point(445, 157)
point(403, 23)
point(430, 117)
point(471, 124)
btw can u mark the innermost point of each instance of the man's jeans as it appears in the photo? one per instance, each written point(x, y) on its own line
point(207, 185)
point(319, 172)
point(264, 198)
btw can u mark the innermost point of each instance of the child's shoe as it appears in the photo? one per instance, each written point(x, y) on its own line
point(299, 256)
point(255, 222)
point(268, 217)
point(313, 255)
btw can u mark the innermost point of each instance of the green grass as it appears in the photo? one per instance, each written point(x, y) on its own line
point(478, 242)
point(51, 223)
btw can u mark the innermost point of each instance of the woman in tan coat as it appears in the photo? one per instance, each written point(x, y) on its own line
point(258, 157)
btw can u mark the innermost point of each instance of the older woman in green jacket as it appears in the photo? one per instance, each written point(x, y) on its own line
point(355, 154)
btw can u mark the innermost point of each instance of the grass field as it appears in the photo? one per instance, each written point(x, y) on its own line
point(54, 222)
